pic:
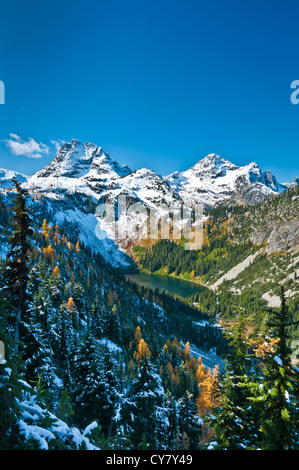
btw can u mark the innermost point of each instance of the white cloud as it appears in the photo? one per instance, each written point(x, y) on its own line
point(15, 136)
point(29, 149)
point(57, 144)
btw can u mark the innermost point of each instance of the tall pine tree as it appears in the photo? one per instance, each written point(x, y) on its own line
point(16, 275)
point(145, 414)
point(278, 419)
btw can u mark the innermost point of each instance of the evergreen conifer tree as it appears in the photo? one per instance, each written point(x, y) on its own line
point(280, 381)
point(89, 389)
point(112, 393)
point(173, 419)
point(189, 423)
point(147, 414)
point(64, 344)
point(225, 420)
point(241, 370)
point(16, 275)
point(10, 386)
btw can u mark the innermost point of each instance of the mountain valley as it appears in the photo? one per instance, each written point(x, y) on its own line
point(110, 364)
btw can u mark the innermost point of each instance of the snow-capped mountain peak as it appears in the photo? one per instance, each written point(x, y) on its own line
point(72, 160)
point(77, 160)
point(212, 160)
point(293, 184)
point(214, 179)
point(210, 166)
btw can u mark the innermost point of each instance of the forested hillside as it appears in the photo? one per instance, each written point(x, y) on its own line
point(94, 362)
point(248, 253)
point(88, 342)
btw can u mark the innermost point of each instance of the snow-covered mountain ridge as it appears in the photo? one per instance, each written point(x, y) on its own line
point(82, 175)
point(6, 177)
point(214, 180)
point(86, 168)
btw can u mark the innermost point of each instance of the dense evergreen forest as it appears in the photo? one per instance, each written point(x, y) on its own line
point(95, 362)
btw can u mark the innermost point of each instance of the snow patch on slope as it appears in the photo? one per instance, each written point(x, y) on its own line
point(236, 270)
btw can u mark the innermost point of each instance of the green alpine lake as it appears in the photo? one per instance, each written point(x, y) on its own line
point(172, 285)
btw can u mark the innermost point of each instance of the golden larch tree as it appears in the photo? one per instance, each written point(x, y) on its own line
point(208, 399)
point(142, 351)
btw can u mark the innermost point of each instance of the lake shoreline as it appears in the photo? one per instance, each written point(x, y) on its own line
point(171, 285)
point(142, 270)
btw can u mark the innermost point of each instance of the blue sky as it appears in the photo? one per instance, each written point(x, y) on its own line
point(157, 84)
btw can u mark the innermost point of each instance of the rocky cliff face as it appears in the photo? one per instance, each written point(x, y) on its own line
point(274, 223)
